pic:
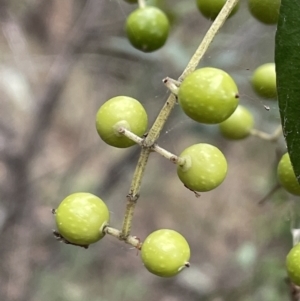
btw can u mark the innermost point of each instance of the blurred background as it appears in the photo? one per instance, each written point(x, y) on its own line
point(60, 61)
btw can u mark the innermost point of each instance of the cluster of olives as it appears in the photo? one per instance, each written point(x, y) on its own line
point(266, 11)
point(207, 95)
point(81, 219)
point(148, 27)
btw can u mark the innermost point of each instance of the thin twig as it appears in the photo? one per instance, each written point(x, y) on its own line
point(269, 194)
point(265, 136)
point(134, 191)
point(163, 152)
point(142, 3)
point(162, 117)
point(192, 65)
point(209, 36)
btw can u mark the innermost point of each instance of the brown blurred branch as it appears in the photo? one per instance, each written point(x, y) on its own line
point(17, 243)
point(57, 78)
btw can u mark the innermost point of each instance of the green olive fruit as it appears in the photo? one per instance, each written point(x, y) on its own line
point(264, 81)
point(208, 95)
point(265, 11)
point(121, 112)
point(165, 253)
point(211, 8)
point(147, 28)
point(81, 217)
point(238, 125)
point(286, 175)
point(293, 264)
point(204, 168)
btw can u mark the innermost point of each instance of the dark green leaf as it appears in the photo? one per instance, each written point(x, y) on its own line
point(287, 59)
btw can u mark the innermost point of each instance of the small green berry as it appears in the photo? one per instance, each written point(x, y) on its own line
point(147, 28)
point(165, 253)
point(211, 8)
point(238, 125)
point(293, 264)
point(286, 175)
point(265, 11)
point(118, 112)
point(205, 167)
point(264, 81)
point(81, 217)
point(208, 95)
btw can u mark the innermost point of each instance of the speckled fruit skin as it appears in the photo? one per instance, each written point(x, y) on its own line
point(238, 125)
point(80, 218)
point(165, 253)
point(265, 11)
point(208, 95)
point(293, 264)
point(205, 167)
point(211, 8)
point(121, 111)
point(147, 28)
point(264, 81)
point(286, 175)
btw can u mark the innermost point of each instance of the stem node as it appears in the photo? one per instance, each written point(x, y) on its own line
point(153, 134)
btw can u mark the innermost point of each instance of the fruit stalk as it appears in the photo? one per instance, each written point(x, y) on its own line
point(172, 84)
point(142, 3)
point(138, 140)
point(265, 136)
point(131, 240)
point(163, 115)
point(168, 155)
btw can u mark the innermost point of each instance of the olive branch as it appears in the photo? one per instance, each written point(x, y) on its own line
point(148, 143)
